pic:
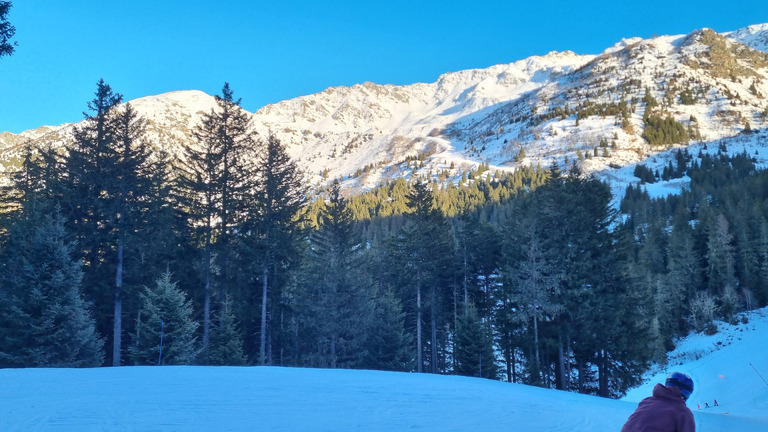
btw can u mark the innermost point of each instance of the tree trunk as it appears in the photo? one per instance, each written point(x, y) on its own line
point(603, 374)
point(568, 363)
point(514, 371)
point(561, 364)
point(466, 266)
point(419, 360)
point(333, 351)
point(263, 341)
point(536, 344)
point(433, 324)
point(456, 316)
point(117, 329)
point(508, 363)
point(207, 305)
point(582, 377)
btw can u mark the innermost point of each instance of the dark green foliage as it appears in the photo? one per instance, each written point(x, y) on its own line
point(687, 97)
point(44, 321)
point(474, 347)
point(6, 30)
point(226, 342)
point(387, 345)
point(31, 187)
point(664, 131)
point(333, 304)
point(644, 174)
point(217, 183)
point(479, 256)
point(418, 266)
point(165, 312)
point(564, 276)
point(273, 241)
point(564, 295)
point(714, 256)
point(110, 191)
point(588, 109)
point(649, 100)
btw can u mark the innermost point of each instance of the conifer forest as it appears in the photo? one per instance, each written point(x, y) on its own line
point(112, 254)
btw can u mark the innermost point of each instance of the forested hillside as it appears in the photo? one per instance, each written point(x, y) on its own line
point(111, 257)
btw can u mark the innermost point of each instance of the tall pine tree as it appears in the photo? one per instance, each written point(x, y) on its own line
point(423, 254)
point(335, 295)
point(274, 234)
point(217, 183)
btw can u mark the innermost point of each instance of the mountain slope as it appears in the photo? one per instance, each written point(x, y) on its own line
point(561, 108)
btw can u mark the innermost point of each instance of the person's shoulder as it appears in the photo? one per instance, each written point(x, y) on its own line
point(686, 422)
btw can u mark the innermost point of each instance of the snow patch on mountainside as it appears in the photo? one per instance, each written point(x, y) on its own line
point(754, 36)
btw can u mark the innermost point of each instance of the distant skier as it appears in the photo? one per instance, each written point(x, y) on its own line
point(706, 404)
point(716, 404)
point(665, 410)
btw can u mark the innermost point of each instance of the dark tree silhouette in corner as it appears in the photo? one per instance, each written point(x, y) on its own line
point(6, 30)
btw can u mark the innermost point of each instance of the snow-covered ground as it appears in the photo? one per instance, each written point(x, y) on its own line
point(288, 399)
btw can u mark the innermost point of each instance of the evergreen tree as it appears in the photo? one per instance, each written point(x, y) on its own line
point(720, 256)
point(31, 187)
point(424, 250)
point(387, 346)
point(684, 277)
point(334, 298)
point(44, 321)
point(217, 181)
point(226, 340)
point(87, 202)
point(474, 350)
point(132, 177)
point(107, 184)
point(534, 281)
point(479, 249)
point(6, 30)
point(273, 227)
point(165, 331)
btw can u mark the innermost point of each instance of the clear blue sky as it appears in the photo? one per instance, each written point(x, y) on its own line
point(274, 50)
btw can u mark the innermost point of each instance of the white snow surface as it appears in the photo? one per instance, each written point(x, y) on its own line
point(196, 398)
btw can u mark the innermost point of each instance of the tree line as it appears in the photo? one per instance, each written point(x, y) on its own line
point(221, 258)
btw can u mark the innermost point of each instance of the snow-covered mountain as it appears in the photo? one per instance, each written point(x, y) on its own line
point(561, 108)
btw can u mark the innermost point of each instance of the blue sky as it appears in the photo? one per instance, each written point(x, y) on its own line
point(271, 51)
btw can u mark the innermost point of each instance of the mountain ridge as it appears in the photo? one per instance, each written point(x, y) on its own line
point(559, 109)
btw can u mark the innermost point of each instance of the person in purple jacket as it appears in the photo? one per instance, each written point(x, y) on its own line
point(666, 409)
